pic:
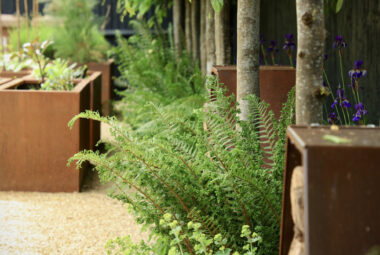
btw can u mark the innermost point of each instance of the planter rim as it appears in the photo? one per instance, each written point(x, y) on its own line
point(80, 84)
point(217, 68)
point(358, 136)
point(107, 62)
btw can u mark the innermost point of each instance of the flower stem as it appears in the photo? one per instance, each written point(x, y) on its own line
point(291, 59)
point(264, 55)
point(331, 93)
point(341, 70)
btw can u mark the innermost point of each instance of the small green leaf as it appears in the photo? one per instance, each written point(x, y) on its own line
point(217, 5)
point(339, 5)
point(336, 139)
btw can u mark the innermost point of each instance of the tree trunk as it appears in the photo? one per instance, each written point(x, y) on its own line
point(202, 43)
point(189, 45)
point(195, 28)
point(248, 51)
point(311, 46)
point(222, 35)
point(210, 36)
point(177, 26)
point(18, 25)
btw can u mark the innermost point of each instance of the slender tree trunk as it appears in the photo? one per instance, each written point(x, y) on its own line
point(222, 35)
point(177, 26)
point(195, 27)
point(188, 32)
point(27, 18)
point(311, 45)
point(203, 50)
point(248, 50)
point(18, 24)
point(210, 36)
point(1, 35)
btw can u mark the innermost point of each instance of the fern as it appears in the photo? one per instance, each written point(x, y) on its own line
point(216, 177)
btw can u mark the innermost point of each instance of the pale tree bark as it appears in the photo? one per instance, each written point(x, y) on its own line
point(210, 36)
point(18, 24)
point(222, 35)
point(248, 51)
point(188, 32)
point(177, 26)
point(202, 43)
point(195, 28)
point(27, 18)
point(311, 45)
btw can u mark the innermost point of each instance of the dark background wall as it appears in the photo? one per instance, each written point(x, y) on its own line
point(358, 22)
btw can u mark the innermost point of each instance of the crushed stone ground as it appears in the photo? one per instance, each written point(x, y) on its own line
point(63, 223)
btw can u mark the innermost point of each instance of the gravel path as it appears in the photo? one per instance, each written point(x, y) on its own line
point(63, 223)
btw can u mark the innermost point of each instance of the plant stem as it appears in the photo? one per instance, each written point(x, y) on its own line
point(264, 55)
point(291, 59)
point(341, 69)
point(331, 92)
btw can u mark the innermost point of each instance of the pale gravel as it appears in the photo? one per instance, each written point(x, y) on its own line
point(63, 223)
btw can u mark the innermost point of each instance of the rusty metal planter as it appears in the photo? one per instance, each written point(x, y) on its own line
point(107, 69)
point(342, 195)
point(35, 142)
point(275, 83)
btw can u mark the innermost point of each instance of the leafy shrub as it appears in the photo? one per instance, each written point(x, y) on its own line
point(44, 32)
point(60, 75)
point(220, 177)
point(148, 64)
point(78, 38)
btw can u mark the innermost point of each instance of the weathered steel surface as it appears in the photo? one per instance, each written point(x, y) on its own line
point(95, 102)
point(108, 71)
point(342, 195)
point(275, 83)
point(35, 141)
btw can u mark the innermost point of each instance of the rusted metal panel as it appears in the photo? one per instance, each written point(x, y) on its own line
point(35, 141)
point(275, 83)
point(342, 195)
point(108, 71)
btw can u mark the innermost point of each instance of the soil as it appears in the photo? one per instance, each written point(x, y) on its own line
point(64, 223)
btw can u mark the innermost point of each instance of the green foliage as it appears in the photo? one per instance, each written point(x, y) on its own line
point(44, 32)
point(78, 37)
point(148, 63)
point(139, 8)
point(60, 75)
point(333, 5)
point(219, 177)
point(217, 5)
point(16, 61)
point(35, 51)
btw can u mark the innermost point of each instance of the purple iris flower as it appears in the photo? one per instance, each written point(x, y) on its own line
point(346, 103)
point(360, 112)
point(289, 43)
point(340, 92)
point(339, 43)
point(334, 104)
point(356, 72)
point(332, 118)
point(272, 46)
point(325, 57)
point(324, 84)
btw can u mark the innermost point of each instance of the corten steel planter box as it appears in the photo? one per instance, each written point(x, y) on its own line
point(107, 69)
point(341, 190)
point(275, 83)
point(35, 140)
